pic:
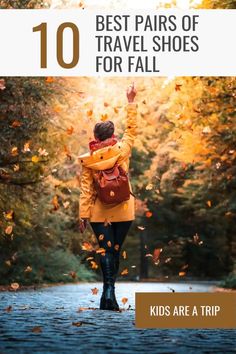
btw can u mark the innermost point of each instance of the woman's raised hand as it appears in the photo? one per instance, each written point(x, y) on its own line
point(131, 93)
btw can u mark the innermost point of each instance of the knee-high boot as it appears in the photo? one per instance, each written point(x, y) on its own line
point(108, 299)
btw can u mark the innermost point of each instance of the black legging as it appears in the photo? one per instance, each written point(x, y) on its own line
point(111, 237)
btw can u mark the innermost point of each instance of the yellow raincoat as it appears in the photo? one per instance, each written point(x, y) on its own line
point(89, 204)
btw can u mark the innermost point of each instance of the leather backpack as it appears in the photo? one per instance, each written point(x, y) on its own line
point(112, 185)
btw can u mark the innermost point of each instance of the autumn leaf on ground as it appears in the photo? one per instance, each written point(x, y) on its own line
point(77, 324)
point(178, 87)
point(2, 84)
point(16, 124)
point(9, 215)
point(35, 159)
point(15, 286)
point(124, 300)
point(8, 230)
point(86, 246)
point(70, 130)
point(8, 308)
point(94, 291)
point(36, 329)
point(124, 254)
point(14, 151)
point(124, 271)
point(28, 269)
point(55, 203)
point(148, 214)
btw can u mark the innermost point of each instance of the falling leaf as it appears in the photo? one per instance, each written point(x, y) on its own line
point(15, 286)
point(94, 265)
point(101, 237)
point(109, 243)
point(77, 324)
point(178, 87)
point(66, 204)
point(94, 291)
point(16, 124)
point(104, 117)
point(70, 130)
point(2, 84)
point(124, 271)
point(148, 214)
point(9, 230)
point(149, 187)
point(209, 203)
point(100, 250)
point(90, 113)
point(49, 79)
point(107, 222)
point(73, 274)
point(156, 254)
point(9, 215)
point(124, 300)
point(86, 246)
point(35, 159)
point(26, 147)
point(141, 228)
point(55, 203)
point(42, 152)
point(8, 308)
point(14, 151)
point(36, 329)
point(28, 269)
point(182, 274)
point(124, 254)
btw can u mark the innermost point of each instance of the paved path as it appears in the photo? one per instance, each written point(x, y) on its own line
point(54, 310)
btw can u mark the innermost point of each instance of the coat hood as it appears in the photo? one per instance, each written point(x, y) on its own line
point(101, 159)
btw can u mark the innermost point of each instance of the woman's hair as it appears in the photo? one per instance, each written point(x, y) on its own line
point(104, 130)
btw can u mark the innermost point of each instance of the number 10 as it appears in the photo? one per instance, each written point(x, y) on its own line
point(43, 44)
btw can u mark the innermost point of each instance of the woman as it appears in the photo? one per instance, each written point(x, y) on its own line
point(110, 222)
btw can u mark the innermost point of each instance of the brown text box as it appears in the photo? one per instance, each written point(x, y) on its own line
point(185, 310)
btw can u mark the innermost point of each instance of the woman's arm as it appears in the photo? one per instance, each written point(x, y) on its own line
point(131, 123)
point(87, 193)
